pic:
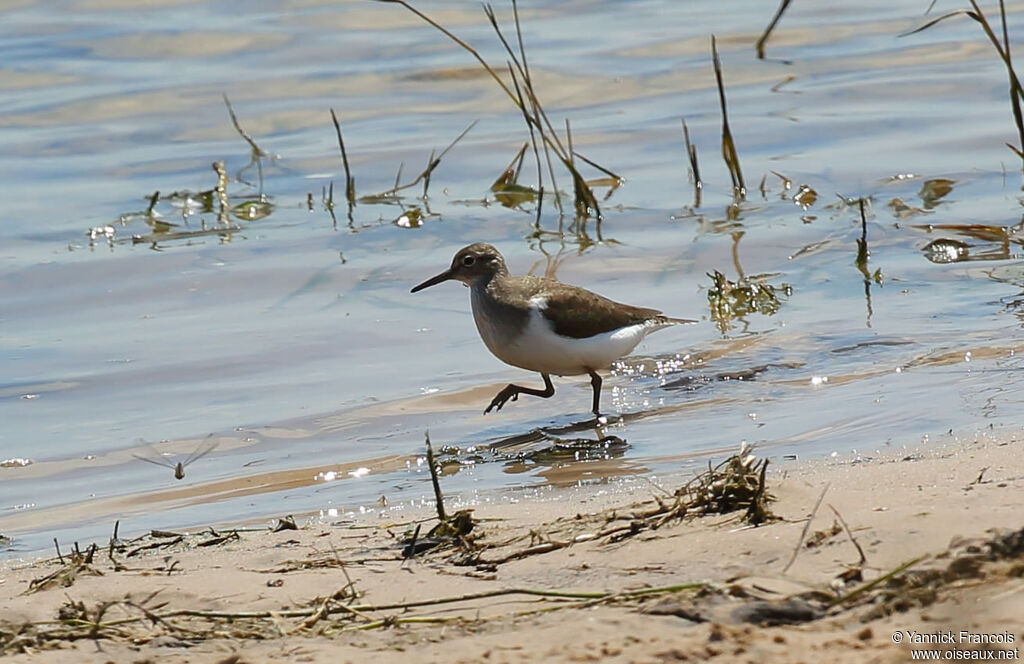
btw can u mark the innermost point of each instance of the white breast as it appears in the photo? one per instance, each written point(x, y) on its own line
point(538, 348)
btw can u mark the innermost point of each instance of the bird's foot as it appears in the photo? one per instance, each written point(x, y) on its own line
point(510, 392)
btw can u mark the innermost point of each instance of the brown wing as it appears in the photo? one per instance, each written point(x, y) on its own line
point(578, 313)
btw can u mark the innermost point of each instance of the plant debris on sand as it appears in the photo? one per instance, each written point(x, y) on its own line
point(708, 554)
point(735, 486)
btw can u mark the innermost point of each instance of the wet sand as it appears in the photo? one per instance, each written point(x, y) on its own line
point(581, 577)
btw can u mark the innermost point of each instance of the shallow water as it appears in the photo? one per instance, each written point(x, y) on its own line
point(293, 341)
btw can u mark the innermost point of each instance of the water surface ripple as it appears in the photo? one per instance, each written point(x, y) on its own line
point(286, 334)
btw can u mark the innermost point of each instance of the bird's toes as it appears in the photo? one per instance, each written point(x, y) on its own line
point(496, 403)
point(503, 397)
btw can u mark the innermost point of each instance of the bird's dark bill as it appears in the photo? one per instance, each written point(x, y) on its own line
point(433, 281)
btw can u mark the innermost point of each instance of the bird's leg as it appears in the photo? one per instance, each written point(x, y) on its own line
point(595, 382)
point(513, 391)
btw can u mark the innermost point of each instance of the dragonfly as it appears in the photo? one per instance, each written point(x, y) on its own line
point(159, 459)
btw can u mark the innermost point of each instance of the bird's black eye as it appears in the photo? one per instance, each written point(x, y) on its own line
point(467, 261)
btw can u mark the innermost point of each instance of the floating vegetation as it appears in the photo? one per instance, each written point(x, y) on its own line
point(252, 210)
point(412, 217)
point(170, 218)
point(506, 188)
point(996, 242)
point(805, 197)
point(513, 195)
point(934, 190)
point(734, 300)
point(185, 205)
point(946, 250)
point(902, 210)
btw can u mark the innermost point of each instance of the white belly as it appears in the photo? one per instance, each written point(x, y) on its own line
point(538, 348)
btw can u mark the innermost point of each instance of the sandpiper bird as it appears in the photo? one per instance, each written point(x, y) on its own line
point(543, 325)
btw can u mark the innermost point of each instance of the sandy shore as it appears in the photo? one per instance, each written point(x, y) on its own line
point(580, 578)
